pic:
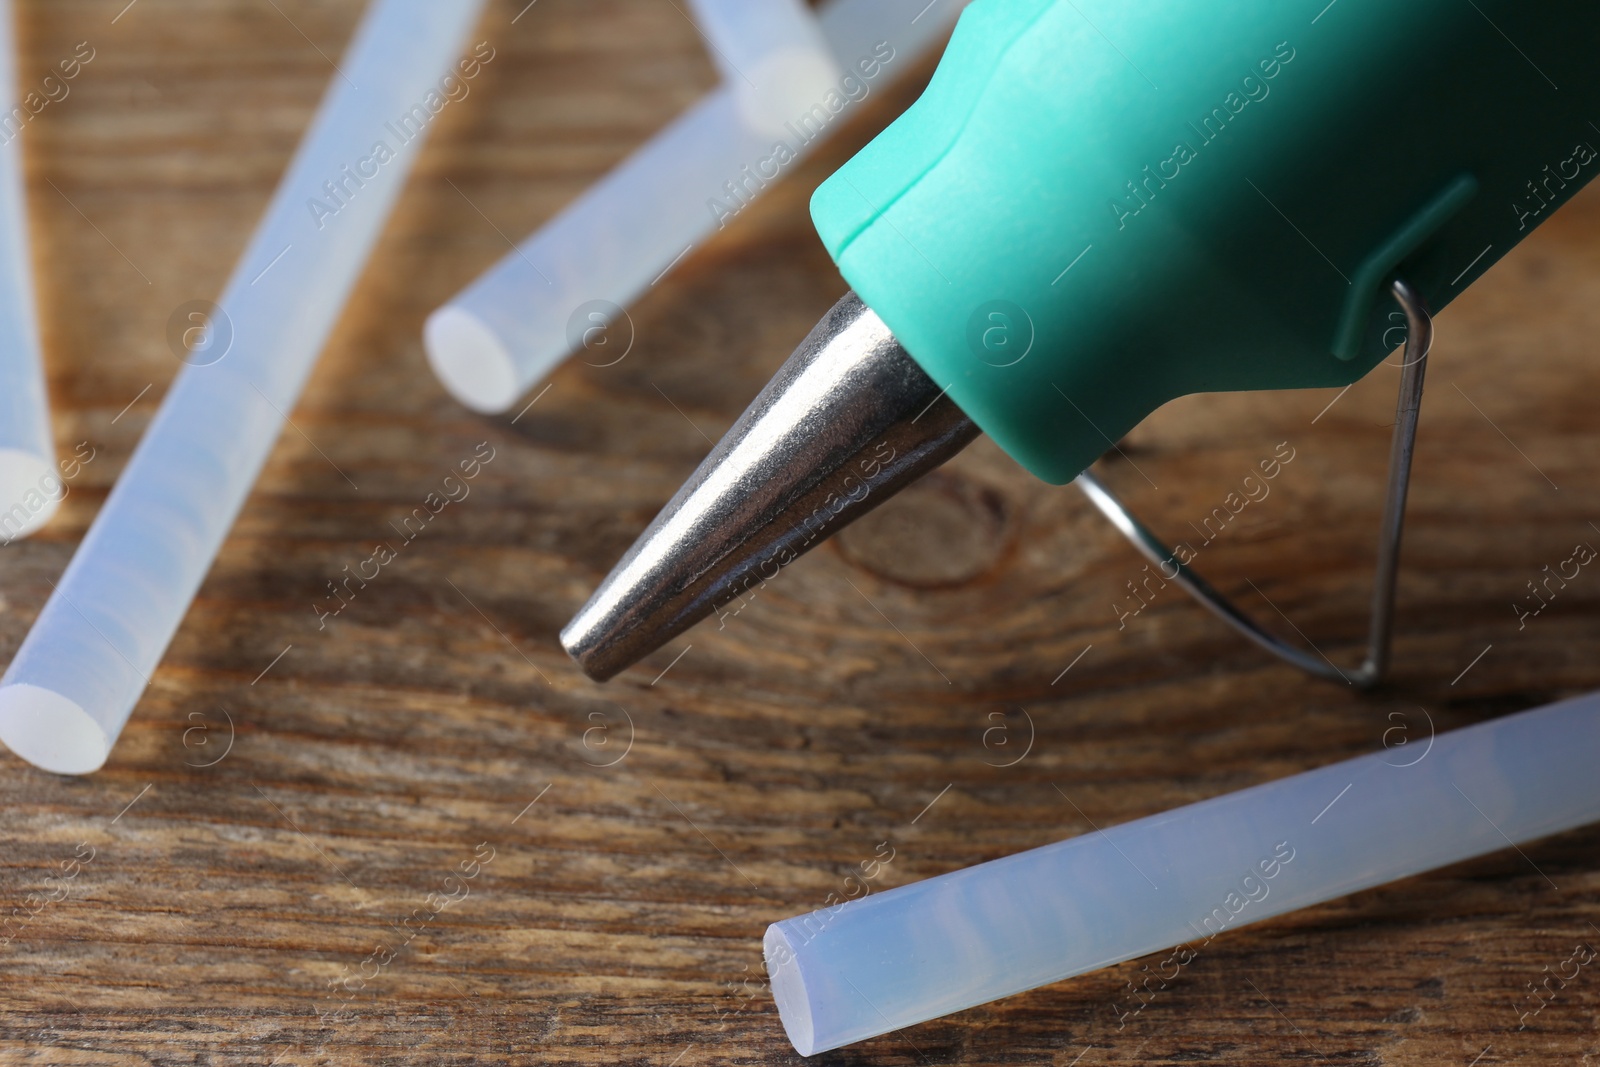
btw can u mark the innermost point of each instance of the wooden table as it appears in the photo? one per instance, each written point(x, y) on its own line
point(284, 795)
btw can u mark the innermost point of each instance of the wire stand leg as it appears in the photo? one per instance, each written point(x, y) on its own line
point(1419, 341)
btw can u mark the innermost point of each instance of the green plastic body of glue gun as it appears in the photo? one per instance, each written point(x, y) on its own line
point(1100, 205)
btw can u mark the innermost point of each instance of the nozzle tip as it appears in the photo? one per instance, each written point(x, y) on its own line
point(849, 421)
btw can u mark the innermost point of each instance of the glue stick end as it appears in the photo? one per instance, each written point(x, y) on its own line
point(789, 990)
point(30, 490)
point(471, 360)
point(50, 731)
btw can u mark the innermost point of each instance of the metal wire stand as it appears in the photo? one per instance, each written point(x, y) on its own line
point(1419, 341)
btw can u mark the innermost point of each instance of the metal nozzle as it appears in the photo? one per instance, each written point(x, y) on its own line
point(849, 421)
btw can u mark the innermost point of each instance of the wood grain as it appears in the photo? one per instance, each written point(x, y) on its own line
point(619, 920)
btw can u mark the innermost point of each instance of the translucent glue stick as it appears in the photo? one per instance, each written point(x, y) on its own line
point(773, 55)
point(563, 290)
point(882, 962)
point(30, 488)
point(79, 672)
